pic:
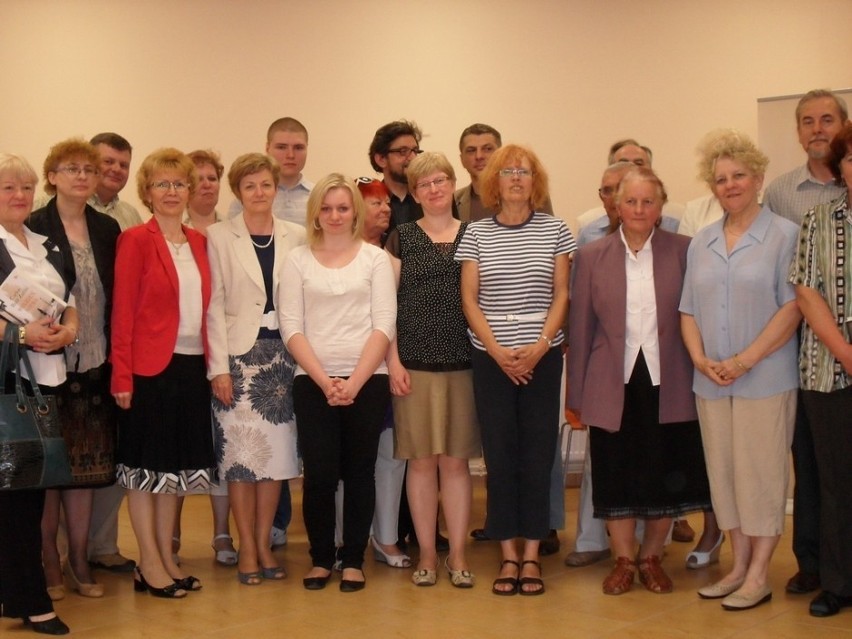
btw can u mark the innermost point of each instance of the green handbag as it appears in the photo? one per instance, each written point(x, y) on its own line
point(32, 450)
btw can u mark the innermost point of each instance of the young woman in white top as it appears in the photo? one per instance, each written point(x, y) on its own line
point(338, 314)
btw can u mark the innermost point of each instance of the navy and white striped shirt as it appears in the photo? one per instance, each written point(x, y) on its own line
point(516, 274)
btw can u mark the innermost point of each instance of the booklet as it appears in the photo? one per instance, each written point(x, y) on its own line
point(23, 300)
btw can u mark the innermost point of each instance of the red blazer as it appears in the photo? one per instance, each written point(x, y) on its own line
point(146, 305)
point(597, 321)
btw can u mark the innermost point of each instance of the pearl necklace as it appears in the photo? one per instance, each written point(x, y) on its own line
point(263, 246)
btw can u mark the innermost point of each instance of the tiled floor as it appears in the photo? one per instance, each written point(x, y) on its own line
point(391, 606)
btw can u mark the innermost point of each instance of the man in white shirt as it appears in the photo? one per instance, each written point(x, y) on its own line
point(287, 142)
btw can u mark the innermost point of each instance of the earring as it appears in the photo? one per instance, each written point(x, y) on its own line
point(317, 227)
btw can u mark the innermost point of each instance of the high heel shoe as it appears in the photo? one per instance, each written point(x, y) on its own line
point(190, 584)
point(224, 557)
point(394, 561)
point(93, 590)
point(52, 626)
point(172, 591)
point(696, 559)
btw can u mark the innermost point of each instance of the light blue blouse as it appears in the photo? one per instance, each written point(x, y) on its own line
point(733, 297)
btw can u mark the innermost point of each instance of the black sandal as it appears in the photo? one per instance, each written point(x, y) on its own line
point(533, 581)
point(512, 581)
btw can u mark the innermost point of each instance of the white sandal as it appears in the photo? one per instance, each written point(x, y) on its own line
point(224, 557)
point(696, 559)
point(394, 561)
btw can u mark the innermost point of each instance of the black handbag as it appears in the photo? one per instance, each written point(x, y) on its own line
point(32, 450)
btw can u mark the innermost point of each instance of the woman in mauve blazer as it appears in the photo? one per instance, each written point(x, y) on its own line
point(633, 385)
point(159, 376)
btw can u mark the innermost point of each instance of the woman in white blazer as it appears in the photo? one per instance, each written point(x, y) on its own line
point(250, 370)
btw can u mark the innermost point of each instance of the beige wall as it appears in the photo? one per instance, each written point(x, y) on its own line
point(566, 77)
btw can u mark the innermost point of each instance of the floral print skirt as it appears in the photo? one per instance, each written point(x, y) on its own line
point(256, 435)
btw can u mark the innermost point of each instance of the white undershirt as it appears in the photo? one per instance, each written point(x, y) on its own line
point(189, 284)
point(641, 322)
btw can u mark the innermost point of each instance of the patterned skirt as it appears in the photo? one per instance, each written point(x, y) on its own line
point(87, 413)
point(256, 434)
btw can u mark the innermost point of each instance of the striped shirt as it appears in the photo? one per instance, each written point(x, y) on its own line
point(516, 266)
point(824, 263)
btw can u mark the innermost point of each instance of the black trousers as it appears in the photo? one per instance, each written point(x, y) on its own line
point(830, 416)
point(339, 443)
point(806, 493)
point(520, 426)
point(23, 591)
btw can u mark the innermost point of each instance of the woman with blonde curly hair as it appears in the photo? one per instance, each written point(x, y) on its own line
point(739, 317)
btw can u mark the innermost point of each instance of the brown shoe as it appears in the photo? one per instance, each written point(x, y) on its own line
point(652, 575)
point(802, 583)
point(586, 558)
point(682, 531)
point(620, 580)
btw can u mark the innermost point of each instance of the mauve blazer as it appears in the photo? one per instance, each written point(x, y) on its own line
point(146, 302)
point(597, 324)
point(239, 294)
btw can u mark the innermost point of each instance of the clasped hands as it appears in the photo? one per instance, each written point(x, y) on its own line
point(340, 392)
point(723, 373)
point(46, 335)
point(519, 363)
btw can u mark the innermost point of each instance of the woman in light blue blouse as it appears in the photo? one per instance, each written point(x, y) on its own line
point(739, 318)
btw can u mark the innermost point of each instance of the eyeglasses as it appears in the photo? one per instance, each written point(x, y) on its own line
point(405, 151)
point(73, 170)
point(165, 185)
point(521, 173)
point(437, 182)
point(364, 180)
point(607, 191)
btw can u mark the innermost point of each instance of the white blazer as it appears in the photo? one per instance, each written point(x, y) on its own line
point(239, 296)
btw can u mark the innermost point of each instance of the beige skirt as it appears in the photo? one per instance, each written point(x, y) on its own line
point(438, 417)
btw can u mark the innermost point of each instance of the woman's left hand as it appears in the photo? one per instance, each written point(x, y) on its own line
point(527, 358)
point(56, 337)
point(728, 371)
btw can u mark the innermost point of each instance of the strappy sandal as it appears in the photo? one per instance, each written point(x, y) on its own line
point(531, 581)
point(510, 581)
point(224, 557)
point(620, 580)
point(652, 575)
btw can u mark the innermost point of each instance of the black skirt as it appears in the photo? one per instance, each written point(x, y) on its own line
point(165, 439)
point(647, 470)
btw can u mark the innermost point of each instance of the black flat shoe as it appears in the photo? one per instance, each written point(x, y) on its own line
point(172, 591)
point(190, 584)
point(350, 585)
point(316, 583)
point(478, 534)
point(827, 604)
point(54, 626)
point(550, 545)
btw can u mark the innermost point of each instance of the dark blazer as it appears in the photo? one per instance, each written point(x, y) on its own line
point(146, 309)
point(103, 235)
point(597, 325)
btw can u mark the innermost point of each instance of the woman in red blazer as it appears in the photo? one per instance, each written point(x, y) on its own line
point(159, 347)
point(630, 378)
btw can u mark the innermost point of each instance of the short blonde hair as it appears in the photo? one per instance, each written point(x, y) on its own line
point(427, 163)
point(18, 167)
point(315, 200)
point(249, 164)
point(489, 179)
point(731, 144)
point(167, 159)
point(61, 151)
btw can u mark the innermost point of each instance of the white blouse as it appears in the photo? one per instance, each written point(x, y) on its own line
point(641, 325)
